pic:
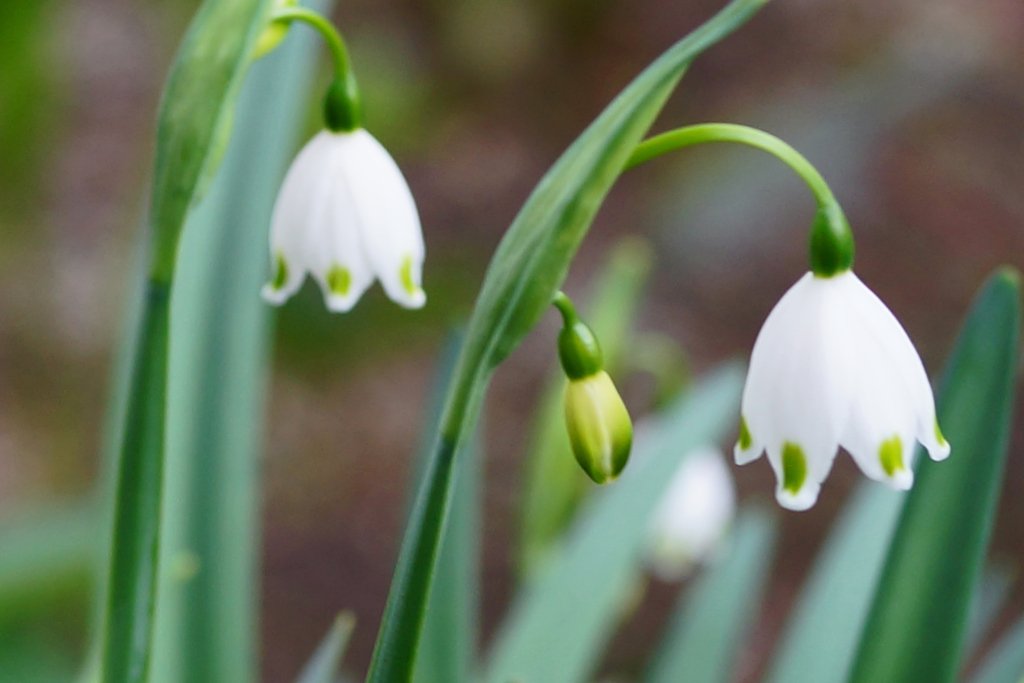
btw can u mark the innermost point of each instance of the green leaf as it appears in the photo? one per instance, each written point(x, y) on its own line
point(196, 114)
point(916, 628)
point(46, 556)
point(555, 484)
point(208, 589)
point(557, 629)
point(323, 666)
point(448, 648)
point(1005, 664)
point(528, 267)
point(194, 118)
point(821, 637)
point(703, 642)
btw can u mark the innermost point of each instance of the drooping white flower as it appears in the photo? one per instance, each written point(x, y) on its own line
point(692, 518)
point(346, 216)
point(833, 367)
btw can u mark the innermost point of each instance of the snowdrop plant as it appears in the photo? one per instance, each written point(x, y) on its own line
point(345, 215)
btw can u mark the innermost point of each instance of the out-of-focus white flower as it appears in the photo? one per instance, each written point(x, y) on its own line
point(346, 216)
point(833, 367)
point(698, 507)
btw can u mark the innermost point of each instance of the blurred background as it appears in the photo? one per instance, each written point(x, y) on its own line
point(912, 109)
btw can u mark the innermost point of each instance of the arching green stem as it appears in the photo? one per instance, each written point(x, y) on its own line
point(831, 243)
point(578, 348)
point(343, 110)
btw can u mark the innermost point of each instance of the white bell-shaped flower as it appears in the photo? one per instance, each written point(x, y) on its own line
point(692, 518)
point(345, 215)
point(833, 367)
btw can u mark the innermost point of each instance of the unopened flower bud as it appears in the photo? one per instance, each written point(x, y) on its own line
point(600, 430)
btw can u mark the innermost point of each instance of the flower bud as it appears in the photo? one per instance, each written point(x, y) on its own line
point(600, 430)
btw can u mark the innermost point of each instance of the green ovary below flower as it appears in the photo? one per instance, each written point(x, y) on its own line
point(346, 216)
point(600, 430)
point(833, 367)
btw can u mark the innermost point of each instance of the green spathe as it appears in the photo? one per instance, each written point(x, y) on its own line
point(600, 430)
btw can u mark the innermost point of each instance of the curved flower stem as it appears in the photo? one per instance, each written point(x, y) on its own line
point(342, 104)
point(565, 306)
point(339, 51)
point(831, 248)
point(744, 135)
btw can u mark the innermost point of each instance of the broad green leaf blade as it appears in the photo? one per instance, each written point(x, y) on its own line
point(448, 648)
point(196, 114)
point(555, 484)
point(822, 634)
point(323, 666)
point(557, 629)
point(915, 630)
point(197, 104)
point(1005, 664)
point(206, 618)
point(529, 265)
point(710, 624)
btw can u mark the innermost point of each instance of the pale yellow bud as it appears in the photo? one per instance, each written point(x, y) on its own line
point(600, 429)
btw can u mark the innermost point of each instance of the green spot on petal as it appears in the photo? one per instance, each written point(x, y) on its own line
point(794, 467)
point(938, 434)
point(890, 453)
point(406, 275)
point(746, 441)
point(339, 279)
point(280, 271)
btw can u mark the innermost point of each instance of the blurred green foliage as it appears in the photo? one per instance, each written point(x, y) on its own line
point(26, 102)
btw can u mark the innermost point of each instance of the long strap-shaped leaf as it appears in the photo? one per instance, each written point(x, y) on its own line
point(206, 616)
point(708, 629)
point(528, 267)
point(193, 126)
point(915, 630)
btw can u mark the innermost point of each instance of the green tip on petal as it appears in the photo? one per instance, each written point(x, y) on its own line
point(746, 441)
point(339, 279)
point(405, 273)
point(890, 454)
point(280, 271)
point(794, 467)
point(939, 436)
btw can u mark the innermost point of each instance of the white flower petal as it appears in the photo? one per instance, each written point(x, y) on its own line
point(290, 221)
point(693, 515)
point(391, 233)
point(337, 256)
point(794, 398)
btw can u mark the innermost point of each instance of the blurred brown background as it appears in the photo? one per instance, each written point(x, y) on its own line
point(912, 109)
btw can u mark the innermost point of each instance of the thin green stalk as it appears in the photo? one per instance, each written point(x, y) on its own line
point(831, 241)
point(134, 552)
point(336, 44)
point(744, 135)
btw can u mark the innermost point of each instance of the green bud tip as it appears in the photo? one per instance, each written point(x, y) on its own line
point(599, 426)
point(578, 348)
point(343, 107)
point(831, 245)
